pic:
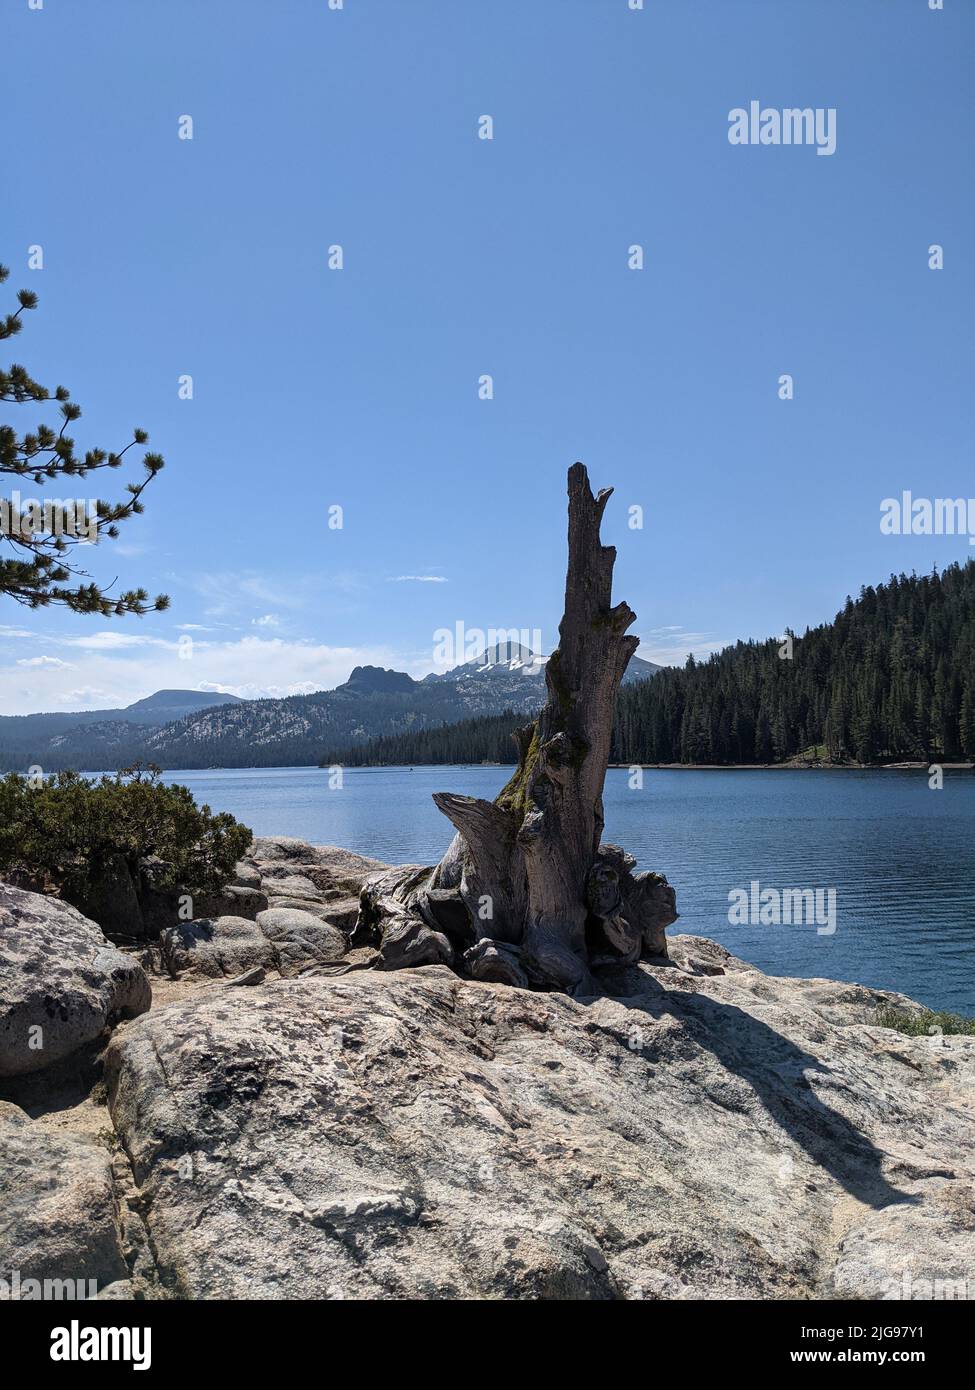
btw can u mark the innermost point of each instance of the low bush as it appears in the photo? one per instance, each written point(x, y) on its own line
point(72, 834)
point(926, 1022)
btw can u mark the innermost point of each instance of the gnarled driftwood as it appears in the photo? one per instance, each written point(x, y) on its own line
point(527, 894)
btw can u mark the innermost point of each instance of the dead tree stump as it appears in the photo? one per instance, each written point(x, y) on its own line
point(527, 894)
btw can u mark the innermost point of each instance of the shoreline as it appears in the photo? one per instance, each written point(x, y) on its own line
point(903, 766)
point(696, 767)
point(797, 767)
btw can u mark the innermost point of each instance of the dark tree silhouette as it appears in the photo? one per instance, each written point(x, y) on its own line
point(41, 570)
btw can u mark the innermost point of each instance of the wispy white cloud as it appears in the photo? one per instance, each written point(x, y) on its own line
point(44, 661)
point(268, 620)
point(417, 579)
point(111, 641)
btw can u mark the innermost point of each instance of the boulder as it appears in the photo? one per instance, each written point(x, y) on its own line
point(327, 866)
point(321, 879)
point(61, 983)
point(244, 901)
point(57, 1211)
point(313, 906)
point(279, 885)
point(280, 849)
point(711, 1132)
point(222, 947)
point(299, 939)
point(162, 910)
point(232, 901)
point(345, 869)
point(341, 911)
point(123, 1291)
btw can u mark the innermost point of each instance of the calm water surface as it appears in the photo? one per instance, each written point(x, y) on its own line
point(900, 856)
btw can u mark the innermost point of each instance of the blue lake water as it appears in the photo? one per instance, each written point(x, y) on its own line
point(900, 856)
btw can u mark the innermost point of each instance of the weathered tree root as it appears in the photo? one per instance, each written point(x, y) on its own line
point(527, 894)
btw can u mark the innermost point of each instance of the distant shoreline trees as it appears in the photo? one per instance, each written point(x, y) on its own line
point(892, 677)
point(485, 739)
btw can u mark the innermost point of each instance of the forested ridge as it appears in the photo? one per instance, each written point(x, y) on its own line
point(485, 739)
point(891, 677)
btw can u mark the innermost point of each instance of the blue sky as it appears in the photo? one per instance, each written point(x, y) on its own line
point(464, 257)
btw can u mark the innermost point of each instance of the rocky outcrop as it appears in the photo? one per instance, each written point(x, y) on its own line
point(279, 872)
point(163, 906)
point(322, 880)
point(308, 899)
point(700, 1130)
point(341, 867)
point(708, 1132)
point(283, 940)
point(305, 899)
point(58, 1217)
point(61, 983)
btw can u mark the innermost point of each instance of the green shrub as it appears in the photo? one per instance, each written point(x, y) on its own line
point(916, 1025)
point(69, 833)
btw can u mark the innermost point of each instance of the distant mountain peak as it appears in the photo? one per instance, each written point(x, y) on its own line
point(366, 680)
point(164, 706)
point(504, 654)
point(198, 699)
point(505, 658)
point(513, 659)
